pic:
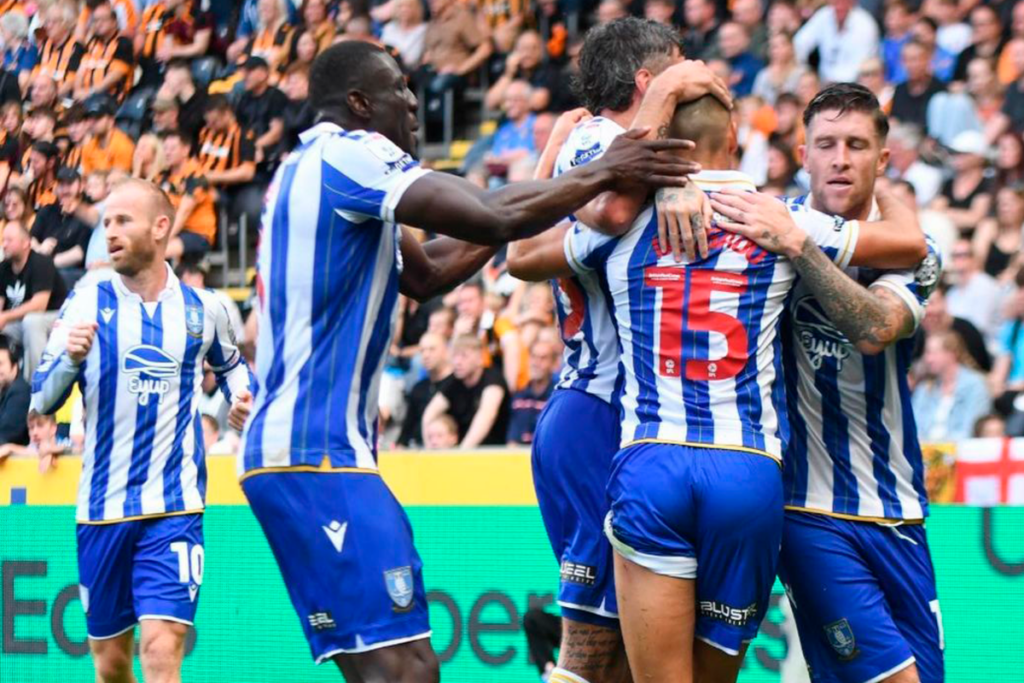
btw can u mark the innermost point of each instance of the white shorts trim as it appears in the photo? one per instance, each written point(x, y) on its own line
point(718, 646)
point(899, 667)
point(115, 635)
point(678, 567)
point(369, 648)
point(161, 617)
point(599, 611)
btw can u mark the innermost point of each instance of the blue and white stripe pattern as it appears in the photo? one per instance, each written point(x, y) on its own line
point(590, 361)
point(329, 268)
point(142, 381)
point(700, 344)
point(854, 450)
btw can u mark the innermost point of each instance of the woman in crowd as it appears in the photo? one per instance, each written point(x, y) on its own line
point(318, 24)
point(305, 49)
point(270, 40)
point(952, 396)
point(1009, 160)
point(985, 89)
point(872, 76)
point(783, 72)
point(20, 56)
point(406, 31)
point(967, 196)
point(997, 241)
point(148, 160)
point(17, 209)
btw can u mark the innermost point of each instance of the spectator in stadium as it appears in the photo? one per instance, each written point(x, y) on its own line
point(1006, 70)
point(42, 93)
point(904, 142)
point(937, 318)
point(40, 125)
point(952, 396)
point(78, 132)
point(31, 294)
point(985, 89)
point(195, 220)
point(179, 85)
point(455, 46)
point(1011, 117)
point(108, 147)
point(475, 396)
point(925, 31)
point(260, 110)
point(109, 59)
point(952, 34)
point(442, 323)
point(125, 16)
point(59, 233)
point(661, 11)
point(1009, 163)
point(700, 38)
point(498, 336)
point(911, 98)
point(986, 40)
point(148, 160)
point(997, 241)
point(270, 39)
point(513, 141)
point(10, 139)
point(15, 395)
point(434, 357)
point(1006, 380)
point(734, 47)
point(441, 432)
point(61, 54)
point(317, 23)
point(43, 442)
point(610, 10)
point(975, 295)
point(967, 196)
point(17, 209)
point(41, 175)
point(871, 75)
point(20, 56)
point(899, 22)
point(298, 114)
point(406, 32)
point(526, 63)
point(990, 426)
point(171, 29)
point(527, 404)
point(783, 16)
point(782, 73)
point(196, 275)
point(227, 157)
point(166, 115)
point(750, 15)
point(305, 50)
point(844, 35)
point(782, 170)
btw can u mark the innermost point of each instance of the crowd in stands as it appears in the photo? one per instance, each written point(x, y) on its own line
point(204, 97)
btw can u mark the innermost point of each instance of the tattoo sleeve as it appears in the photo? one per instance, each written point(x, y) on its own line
point(876, 317)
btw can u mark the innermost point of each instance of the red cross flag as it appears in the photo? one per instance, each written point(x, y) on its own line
point(990, 472)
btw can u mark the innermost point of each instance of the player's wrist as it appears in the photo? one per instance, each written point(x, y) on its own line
point(794, 242)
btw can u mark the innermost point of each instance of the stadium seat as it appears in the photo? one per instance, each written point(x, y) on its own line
point(132, 114)
point(204, 69)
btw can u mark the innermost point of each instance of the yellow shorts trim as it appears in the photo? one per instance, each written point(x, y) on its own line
point(853, 518)
point(135, 518)
point(740, 449)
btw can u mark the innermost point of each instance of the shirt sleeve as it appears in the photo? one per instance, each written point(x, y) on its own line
point(246, 147)
point(124, 53)
point(367, 174)
point(587, 141)
point(836, 236)
point(56, 373)
point(232, 372)
point(586, 249)
point(914, 286)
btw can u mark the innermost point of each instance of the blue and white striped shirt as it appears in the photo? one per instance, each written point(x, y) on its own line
point(329, 267)
point(142, 382)
point(854, 449)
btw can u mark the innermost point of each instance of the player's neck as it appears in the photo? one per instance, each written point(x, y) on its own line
point(857, 213)
point(148, 282)
point(711, 160)
point(623, 118)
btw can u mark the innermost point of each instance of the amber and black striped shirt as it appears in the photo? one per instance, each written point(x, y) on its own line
point(102, 57)
point(224, 151)
point(60, 62)
point(41, 193)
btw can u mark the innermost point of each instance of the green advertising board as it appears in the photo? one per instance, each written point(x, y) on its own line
point(485, 566)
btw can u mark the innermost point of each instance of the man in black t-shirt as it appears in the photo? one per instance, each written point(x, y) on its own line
point(911, 98)
point(261, 110)
point(476, 397)
point(434, 355)
point(59, 233)
point(31, 294)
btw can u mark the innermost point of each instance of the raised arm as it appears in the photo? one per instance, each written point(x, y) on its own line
point(452, 206)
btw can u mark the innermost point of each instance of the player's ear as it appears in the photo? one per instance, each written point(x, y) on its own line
point(734, 141)
point(642, 81)
point(883, 162)
point(359, 104)
point(162, 228)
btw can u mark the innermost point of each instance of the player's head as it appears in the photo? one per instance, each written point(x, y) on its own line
point(10, 361)
point(41, 428)
point(467, 356)
point(619, 59)
point(358, 85)
point(710, 124)
point(845, 150)
point(138, 219)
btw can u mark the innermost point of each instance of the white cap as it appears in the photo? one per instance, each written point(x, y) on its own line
point(970, 142)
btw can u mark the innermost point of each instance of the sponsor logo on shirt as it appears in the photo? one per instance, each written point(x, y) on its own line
point(818, 336)
point(149, 371)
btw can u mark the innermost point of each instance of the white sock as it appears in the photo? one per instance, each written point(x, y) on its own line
point(560, 675)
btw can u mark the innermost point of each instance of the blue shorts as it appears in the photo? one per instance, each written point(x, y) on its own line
point(576, 437)
point(344, 547)
point(713, 515)
point(863, 596)
point(139, 569)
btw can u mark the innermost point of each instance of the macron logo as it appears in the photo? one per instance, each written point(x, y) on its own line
point(193, 591)
point(107, 314)
point(336, 532)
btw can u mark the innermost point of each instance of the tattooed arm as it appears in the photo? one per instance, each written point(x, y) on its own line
point(871, 319)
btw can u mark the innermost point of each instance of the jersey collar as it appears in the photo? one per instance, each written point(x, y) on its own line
point(713, 181)
point(169, 290)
